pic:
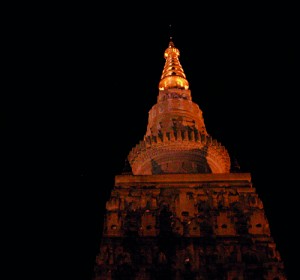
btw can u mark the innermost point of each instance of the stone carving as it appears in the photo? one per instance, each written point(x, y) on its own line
point(172, 223)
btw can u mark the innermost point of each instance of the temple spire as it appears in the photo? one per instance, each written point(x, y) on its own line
point(172, 75)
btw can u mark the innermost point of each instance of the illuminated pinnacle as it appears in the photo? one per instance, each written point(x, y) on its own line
point(173, 75)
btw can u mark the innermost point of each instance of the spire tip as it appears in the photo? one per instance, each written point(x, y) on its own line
point(170, 32)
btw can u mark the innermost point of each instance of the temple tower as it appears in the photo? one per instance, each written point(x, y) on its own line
point(181, 210)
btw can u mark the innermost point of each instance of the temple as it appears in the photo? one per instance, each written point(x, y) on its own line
point(181, 209)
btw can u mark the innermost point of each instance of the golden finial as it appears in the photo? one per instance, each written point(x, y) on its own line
point(173, 75)
point(171, 44)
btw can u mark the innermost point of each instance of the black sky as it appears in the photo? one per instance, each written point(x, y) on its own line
point(96, 77)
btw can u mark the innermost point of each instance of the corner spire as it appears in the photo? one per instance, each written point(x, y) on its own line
point(173, 75)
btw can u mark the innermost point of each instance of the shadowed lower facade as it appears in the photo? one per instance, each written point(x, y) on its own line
point(181, 209)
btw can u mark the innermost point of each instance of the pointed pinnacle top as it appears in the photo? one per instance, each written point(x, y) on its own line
point(173, 75)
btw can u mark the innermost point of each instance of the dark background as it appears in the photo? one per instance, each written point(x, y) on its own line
point(92, 76)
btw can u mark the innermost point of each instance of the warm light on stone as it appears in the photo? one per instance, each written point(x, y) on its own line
point(180, 210)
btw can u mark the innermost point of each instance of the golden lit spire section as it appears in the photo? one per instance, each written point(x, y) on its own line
point(173, 75)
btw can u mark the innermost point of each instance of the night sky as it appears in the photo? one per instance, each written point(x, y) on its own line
point(97, 78)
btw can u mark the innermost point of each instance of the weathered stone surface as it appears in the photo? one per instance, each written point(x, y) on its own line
point(213, 232)
point(177, 211)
